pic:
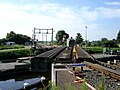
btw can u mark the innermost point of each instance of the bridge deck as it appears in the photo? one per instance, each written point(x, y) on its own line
point(65, 56)
point(51, 53)
point(82, 54)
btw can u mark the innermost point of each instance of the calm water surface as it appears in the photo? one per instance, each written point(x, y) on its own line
point(16, 82)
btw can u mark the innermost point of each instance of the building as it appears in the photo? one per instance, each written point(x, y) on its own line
point(10, 43)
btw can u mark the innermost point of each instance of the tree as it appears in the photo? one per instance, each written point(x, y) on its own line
point(11, 36)
point(2, 41)
point(60, 35)
point(17, 38)
point(111, 43)
point(78, 38)
point(108, 43)
point(104, 41)
point(118, 37)
point(95, 43)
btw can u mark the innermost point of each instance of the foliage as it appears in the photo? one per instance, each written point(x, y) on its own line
point(104, 41)
point(68, 86)
point(11, 47)
point(115, 48)
point(17, 38)
point(111, 43)
point(118, 37)
point(95, 43)
point(14, 53)
point(93, 50)
point(101, 85)
point(2, 41)
point(98, 49)
point(11, 36)
point(59, 36)
point(83, 86)
point(78, 38)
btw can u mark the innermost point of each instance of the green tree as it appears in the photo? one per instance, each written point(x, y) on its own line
point(59, 36)
point(11, 36)
point(78, 38)
point(95, 43)
point(2, 41)
point(118, 37)
point(17, 38)
point(108, 43)
point(112, 43)
point(104, 42)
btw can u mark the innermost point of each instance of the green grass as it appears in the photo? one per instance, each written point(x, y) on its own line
point(67, 86)
point(97, 49)
point(101, 86)
point(11, 47)
point(115, 48)
point(94, 49)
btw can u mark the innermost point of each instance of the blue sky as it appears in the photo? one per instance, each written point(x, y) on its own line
point(102, 17)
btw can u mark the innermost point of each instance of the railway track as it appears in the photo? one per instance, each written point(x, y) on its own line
point(42, 62)
point(112, 73)
point(65, 56)
point(111, 66)
point(83, 55)
point(50, 54)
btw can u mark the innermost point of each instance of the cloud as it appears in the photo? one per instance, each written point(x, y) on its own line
point(23, 18)
point(108, 13)
point(88, 14)
point(112, 3)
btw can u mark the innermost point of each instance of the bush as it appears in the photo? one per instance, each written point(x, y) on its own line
point(93, 50)
point(11, 47)
point(7, 54)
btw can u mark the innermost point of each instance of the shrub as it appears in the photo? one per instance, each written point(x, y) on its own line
point(5, 54)
point(11, 47)
point(93, 50)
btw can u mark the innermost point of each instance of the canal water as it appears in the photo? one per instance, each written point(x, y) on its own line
point(15, 82)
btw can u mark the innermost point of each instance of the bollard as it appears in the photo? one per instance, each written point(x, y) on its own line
point(115, 61)
point(81, 68)
point(108, 62)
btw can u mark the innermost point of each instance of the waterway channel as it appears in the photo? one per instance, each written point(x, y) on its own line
point(15, 82)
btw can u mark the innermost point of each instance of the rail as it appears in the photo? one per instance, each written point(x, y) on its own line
point(113, 73)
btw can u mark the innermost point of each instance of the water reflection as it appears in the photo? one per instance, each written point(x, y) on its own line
point(16, 82)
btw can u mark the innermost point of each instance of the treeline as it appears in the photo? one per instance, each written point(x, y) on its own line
point(104, 42)
point(17, 38)
point(61, 37)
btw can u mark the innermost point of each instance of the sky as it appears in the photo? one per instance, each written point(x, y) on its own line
point(101, 17)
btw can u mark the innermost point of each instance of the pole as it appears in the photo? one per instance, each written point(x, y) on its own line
point(52, 36)
point(34, 34)
point(46, 38)
point(85, 37)
point(42, 38)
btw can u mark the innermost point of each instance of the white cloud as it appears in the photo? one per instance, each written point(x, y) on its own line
point(112, 3)
point(87, 14)
point(22, 19)
point(108, 12)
